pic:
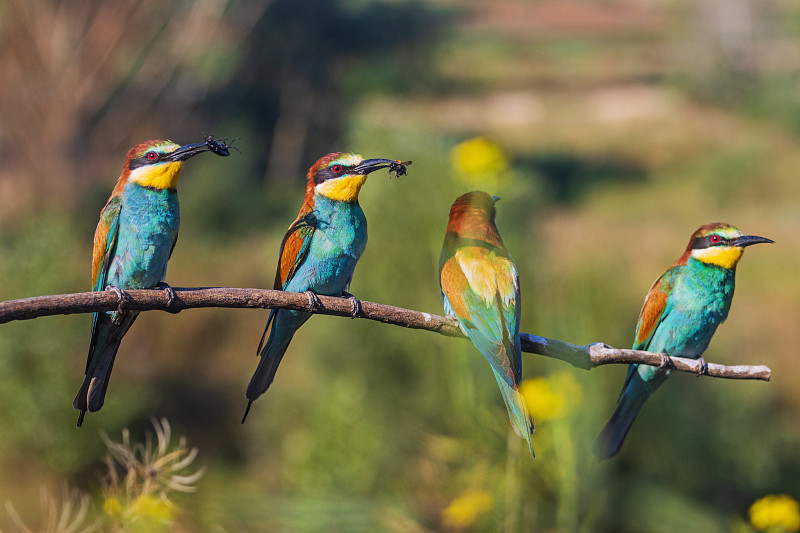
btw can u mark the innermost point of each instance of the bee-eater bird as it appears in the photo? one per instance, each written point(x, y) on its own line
point(132, 243)
point(319, 252)
point(680, 315)
point(480, 288)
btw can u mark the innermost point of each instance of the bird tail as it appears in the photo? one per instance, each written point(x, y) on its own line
point(635, 392)
point(521, 421)
point(92, 393)
point(284, 325)
point(106, 338)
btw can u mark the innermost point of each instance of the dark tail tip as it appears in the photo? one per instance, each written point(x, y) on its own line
point(609, 442)
point(80, 417)
point(247, 410)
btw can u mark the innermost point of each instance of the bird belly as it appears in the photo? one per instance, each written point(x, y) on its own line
point(144, 244)
point(685, 332)
point(335, 249)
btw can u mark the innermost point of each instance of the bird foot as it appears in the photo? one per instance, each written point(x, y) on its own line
point(703, 367)
point(123, 299)
point(666, 361)
point(313, 300)
point(170, 296)
point(355, 308)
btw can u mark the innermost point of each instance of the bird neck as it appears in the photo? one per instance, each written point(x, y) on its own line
point(326, 208)
point(709, 272)
point(474, 230)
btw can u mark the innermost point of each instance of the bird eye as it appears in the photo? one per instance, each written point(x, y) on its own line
point(151, 156)
point(336, 168)
point(715, 239)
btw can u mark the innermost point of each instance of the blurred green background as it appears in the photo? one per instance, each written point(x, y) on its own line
point(611, 129)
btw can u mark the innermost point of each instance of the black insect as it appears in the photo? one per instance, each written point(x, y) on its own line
point(220, 146)
point(399, 169)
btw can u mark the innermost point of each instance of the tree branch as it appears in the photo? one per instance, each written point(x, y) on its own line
point(586, 357)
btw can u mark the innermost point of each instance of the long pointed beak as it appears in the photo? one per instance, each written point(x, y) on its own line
point(371, 165)
point(747, 240)
point(186, 151)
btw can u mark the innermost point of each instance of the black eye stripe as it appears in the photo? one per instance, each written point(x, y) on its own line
point(325, 174)
point(142, 161)
point(705, 242)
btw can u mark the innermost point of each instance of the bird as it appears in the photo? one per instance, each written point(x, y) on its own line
point(133, 241)
point(680, 314)
point(319, 252)
point(480, 289)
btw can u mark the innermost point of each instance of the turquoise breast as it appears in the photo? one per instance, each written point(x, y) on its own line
point(148, 227)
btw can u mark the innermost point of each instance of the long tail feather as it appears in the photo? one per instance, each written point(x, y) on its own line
point(92, 392)
point(609, 442)
point(283, 328)
point(634, 394)
point(521, 421)
point(106, 338)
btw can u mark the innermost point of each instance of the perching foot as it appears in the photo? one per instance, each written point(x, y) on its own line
point(703, 366)
point(355, 304)
point(666, 361)
point(313, 300)
point(122, 298)
point(170, 296)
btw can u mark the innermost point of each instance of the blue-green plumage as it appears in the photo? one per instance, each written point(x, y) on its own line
point(681, 313)
point(133, 242)
point(335, 238)
point(146, 223)
point(319, 252)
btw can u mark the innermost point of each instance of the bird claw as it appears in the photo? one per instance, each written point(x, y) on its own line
point(171, 295)
point(703, 366)
point(313, 300)
point(666, 361)
point(355, 303)
point(122, 298)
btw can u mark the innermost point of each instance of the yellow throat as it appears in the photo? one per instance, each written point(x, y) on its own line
point(160, 176)
point(721, 256)
point(344, 189)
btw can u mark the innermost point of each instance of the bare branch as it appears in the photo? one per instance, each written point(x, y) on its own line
point(586, 357)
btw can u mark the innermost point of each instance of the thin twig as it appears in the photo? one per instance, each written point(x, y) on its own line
point(586, 357)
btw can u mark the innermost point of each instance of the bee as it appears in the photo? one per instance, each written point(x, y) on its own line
point(398, 168)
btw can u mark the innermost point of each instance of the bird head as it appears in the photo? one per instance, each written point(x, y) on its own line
point(158, 164)
point(340, 175)
point(472, 216)
point(720, 244)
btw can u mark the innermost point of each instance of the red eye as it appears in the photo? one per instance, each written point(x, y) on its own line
point(336, 168)
point(715, 239)
point(151, 156)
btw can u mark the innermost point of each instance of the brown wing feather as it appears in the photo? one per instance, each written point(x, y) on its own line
point(292, 247)
point(454, 283)
point(652, 311)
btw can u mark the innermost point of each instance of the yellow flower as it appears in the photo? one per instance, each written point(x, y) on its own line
point(150, 507)
point(551, 397)
point(480, 162)
point(112, 506)
point(776, 512)
point(466, 509)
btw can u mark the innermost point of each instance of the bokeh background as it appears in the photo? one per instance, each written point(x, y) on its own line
point(611, 129)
